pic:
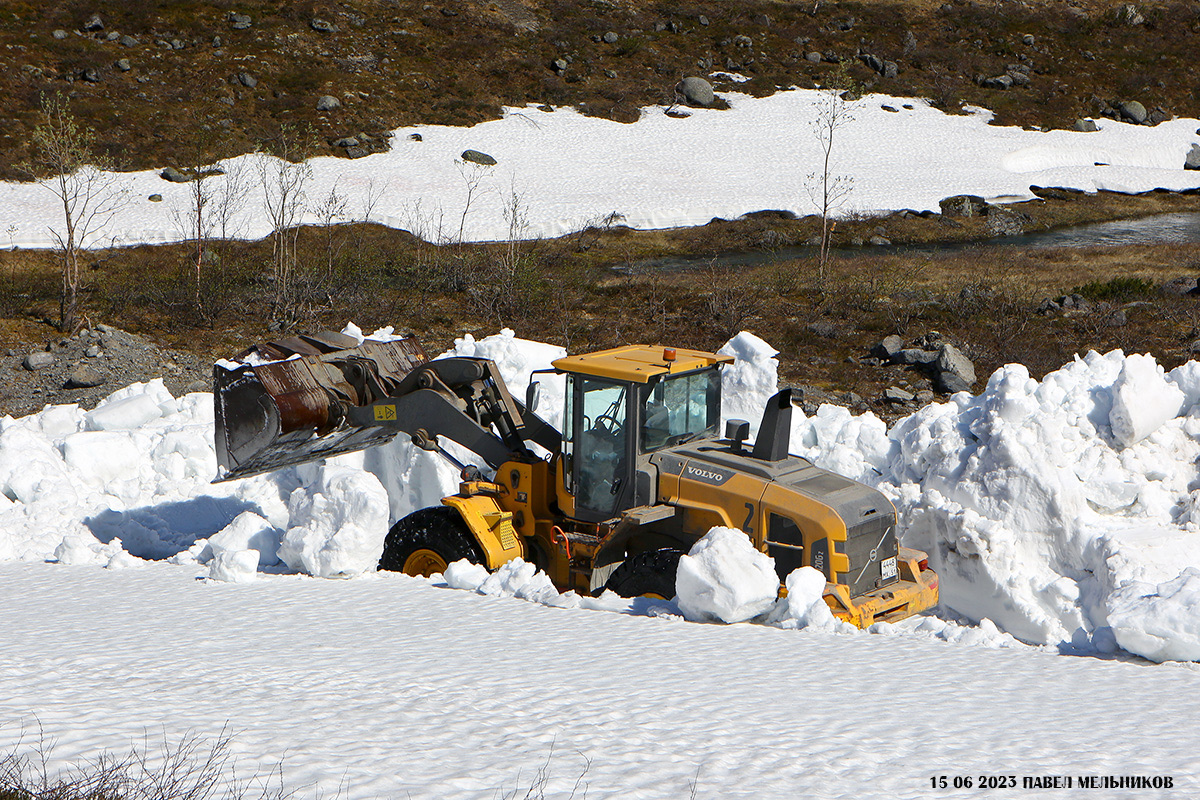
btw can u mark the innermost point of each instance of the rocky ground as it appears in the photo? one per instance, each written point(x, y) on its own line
point(89, 366)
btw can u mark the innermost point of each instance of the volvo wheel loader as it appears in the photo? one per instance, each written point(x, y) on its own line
point(637, 475)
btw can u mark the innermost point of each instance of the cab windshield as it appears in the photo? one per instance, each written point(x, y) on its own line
point(681, 407)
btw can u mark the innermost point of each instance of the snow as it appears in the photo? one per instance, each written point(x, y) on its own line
point(756, 155)
point(723, 577)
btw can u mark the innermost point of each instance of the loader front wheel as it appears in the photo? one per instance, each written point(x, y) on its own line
point(647, 574)
point(427, 541)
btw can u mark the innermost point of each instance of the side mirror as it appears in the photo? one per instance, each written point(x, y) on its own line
point(532, 395)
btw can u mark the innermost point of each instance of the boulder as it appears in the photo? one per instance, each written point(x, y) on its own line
point(124, 65)
point(1129, 14)
point(322, 26)
point(59, 33)
point(328, 103)
point(476, 157)
point(1193, 158)
point(1132, 111)
point(1002, 222)
point(888, 347)
point(996, 82)
point(174, 176)
point(239, 22)
point(813, 57)
point(610, 37)
point(128, 41)
point(955, 372)
point(915, 356)
point(38, 359)
point(894, 394)
point(247, 80)
point(83, 377)
point(1180, 287)
point(962, 205)
point(94, 23)
point(1085, 126)
point(695, 92)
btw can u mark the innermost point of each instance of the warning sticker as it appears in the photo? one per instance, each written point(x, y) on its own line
point(385, 413)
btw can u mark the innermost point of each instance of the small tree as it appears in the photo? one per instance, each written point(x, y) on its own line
point(827, 189)
point(283, 180)
point(65, 161)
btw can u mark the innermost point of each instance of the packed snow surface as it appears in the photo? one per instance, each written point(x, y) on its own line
point(566, 171)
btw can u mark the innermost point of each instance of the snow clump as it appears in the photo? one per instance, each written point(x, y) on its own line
point(723, 578)
point(337, 524)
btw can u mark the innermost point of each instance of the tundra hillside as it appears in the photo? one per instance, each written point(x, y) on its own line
point(182, 84)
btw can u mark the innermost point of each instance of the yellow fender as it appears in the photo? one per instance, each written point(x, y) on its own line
point(490, 525)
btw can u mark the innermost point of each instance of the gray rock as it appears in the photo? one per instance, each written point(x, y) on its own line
point(1118, 319)
point(328, 103)
point(559, 65)
point(357, 152)
point(476, 157)
point(611, 38)
point(1129, 14)
point(173, 175)
point(216, 42)
point(1193, 157)
point(823, 328)
point(910, 42)
point(703, 20)
point(955, 372)
point(1179, 287)
point(743, 41)
point(94, 351)
point(962, 205)
point(38, 359)
point(813, 57)
point(239, 22)
point(94, 23)
point(915, 356)
point(128, 41)
point(89, 74)
point(346, 141)
point(996, 82)
point(322, 26)
point(695, 92)
point(924, 397)
point(1132, 111)
point(83, 377)
point(888, 347)
point(1002, 222)
point(111, 36)
point(1048, 306)
point(59, 34)
point(1085, 126)
point(177, 44)
point(890, 69)
point(124, 65)
point(155, 198)
point(872, 61)
point(894, 394)
point(879, 241)
point(247, 80)
point(1027, 39)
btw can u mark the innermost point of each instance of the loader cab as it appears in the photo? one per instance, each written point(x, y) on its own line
point(624, 404)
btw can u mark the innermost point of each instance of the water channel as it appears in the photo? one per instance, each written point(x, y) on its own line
point(1176, 228)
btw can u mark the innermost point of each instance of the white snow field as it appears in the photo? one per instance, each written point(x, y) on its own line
point(569, 171)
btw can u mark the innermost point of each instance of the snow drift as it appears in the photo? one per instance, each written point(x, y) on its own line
point(1066, 511)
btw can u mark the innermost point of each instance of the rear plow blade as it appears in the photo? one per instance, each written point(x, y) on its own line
point(283, 413)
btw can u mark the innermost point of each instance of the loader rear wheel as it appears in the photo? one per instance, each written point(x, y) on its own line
point(427, 541)
point(647, 574)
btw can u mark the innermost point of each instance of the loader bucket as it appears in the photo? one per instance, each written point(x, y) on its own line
point(291, 411)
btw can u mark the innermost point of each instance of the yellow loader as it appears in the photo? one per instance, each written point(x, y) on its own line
point(638, 474)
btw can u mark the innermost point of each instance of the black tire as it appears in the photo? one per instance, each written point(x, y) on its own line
point(651, 572)
point(428, 540)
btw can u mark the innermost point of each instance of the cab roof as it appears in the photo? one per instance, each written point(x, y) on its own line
point(638, 362)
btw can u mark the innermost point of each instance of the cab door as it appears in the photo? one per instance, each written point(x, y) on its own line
point(598, 447)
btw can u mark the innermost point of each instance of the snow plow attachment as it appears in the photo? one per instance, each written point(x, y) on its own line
point(282, 404)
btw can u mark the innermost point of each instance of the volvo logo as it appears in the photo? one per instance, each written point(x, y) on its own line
point(708, 475)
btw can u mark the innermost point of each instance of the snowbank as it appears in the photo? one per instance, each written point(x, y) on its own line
point(1065, 512)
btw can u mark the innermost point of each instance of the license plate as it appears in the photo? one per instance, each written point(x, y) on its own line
point(888, 568)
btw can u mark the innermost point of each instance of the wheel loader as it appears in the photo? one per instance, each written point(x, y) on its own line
point(638, 474)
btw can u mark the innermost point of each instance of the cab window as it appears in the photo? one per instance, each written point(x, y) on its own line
point(681, 407)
